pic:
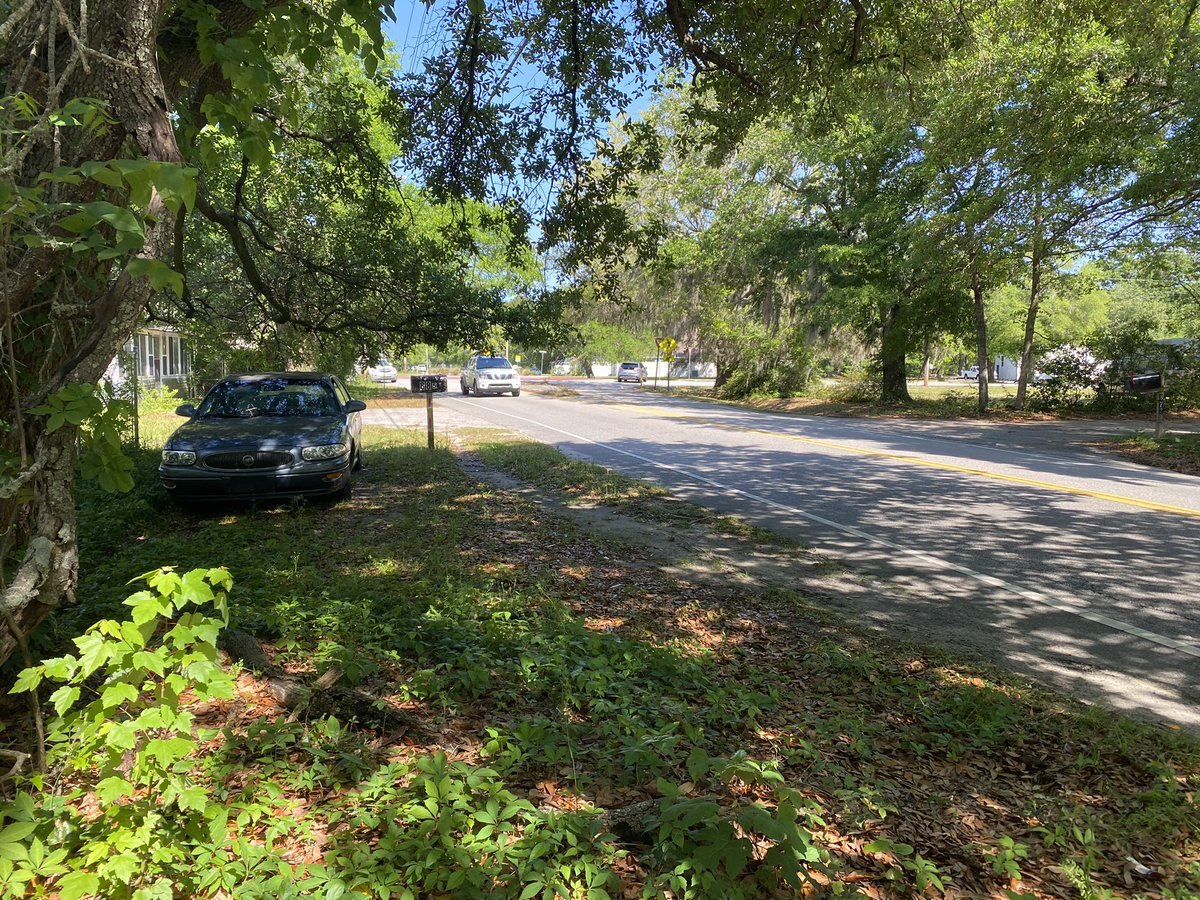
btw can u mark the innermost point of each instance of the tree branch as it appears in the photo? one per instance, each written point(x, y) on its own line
point(702, 53)
point(229, 222)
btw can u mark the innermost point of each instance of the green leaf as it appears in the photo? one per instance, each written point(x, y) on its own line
point(17, 831)
point(151, 662)
point(176, 186)
point(64, 698)
point(116, 694)
point(77, 885)
point(169, 751)
point(122, 736)
point(99, 171)
point(160, 274)
point(78, 223)
point(122, 867)
point(195, 587)
point(194, 797)
point(61, 668)
point(94, 651)
point(113, 788)
point(27, 680)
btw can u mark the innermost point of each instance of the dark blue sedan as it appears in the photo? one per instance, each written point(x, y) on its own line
point(279, 434)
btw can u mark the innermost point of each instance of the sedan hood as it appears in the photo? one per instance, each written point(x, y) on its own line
point(260, 431)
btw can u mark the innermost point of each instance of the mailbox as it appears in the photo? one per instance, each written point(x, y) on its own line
point(1144, 383)
point(428, 384)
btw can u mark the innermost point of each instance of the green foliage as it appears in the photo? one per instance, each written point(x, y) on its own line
point(1006, 857)
point(101, 419)
point(158, 400)
point(122, 733)
point(439, 826)
point(707, 847)
point(107, 229)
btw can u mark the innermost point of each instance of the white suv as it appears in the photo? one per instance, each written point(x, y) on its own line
point(631, 371)
point(489, 375)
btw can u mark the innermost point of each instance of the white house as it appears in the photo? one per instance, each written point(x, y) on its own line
point(160, 357)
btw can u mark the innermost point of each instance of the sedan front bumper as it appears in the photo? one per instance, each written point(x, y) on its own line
point(192, 483)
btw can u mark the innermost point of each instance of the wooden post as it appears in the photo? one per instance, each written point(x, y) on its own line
point(429, 415)
point(1159, 414)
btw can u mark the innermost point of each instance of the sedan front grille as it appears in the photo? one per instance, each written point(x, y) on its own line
point(250, 459)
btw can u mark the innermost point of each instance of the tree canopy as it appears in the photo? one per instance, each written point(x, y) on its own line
point(263, 168)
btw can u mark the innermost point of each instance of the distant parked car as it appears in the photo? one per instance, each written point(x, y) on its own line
point(631, 371)
point(278, 434)
point(420, 367)
point(382, 371)
point(972, 373)
point(489, 375)
point(1042, 377)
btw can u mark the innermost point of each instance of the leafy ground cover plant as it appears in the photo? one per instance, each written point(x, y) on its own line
point(570, 721)
point(1178, 452)
point(132, 813)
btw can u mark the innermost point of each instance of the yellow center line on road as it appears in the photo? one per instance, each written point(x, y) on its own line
point(922, 461)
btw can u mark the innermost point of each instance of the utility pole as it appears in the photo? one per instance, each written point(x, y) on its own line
point(542, 367)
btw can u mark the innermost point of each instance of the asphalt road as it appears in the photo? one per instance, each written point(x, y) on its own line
point(1015, 542)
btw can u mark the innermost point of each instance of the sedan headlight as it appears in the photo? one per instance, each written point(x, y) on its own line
point(325, 451)
point(178, 458)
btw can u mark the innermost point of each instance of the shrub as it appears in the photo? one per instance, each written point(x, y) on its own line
point(159, 399)
point(133, 816)
point(1073, 375)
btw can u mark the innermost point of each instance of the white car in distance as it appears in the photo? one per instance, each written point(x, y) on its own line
point(382, 371)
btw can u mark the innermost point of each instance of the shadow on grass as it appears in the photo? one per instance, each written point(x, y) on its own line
point(557, 678)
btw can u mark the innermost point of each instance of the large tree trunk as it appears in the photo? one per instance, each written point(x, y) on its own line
point(1035, 299)
point(981, 338)
point(926, 358)
point(1037, 252)
point(66, 316)
point(892, 350)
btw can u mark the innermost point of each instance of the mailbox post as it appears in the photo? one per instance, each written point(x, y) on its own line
point(1145, 384)
point(428, 385)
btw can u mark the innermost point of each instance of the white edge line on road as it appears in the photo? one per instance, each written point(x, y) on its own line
point(989, 580)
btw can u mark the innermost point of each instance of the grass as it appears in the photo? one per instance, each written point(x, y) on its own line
point(548, 389)
point(553, 683)
point(590, 484)
point(1178, 452)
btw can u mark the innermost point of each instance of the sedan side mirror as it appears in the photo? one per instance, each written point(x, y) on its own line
point(185, 410)
point(353, 406)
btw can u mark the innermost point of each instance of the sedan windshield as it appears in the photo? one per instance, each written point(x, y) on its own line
point(269, 397)
point(492, 362)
